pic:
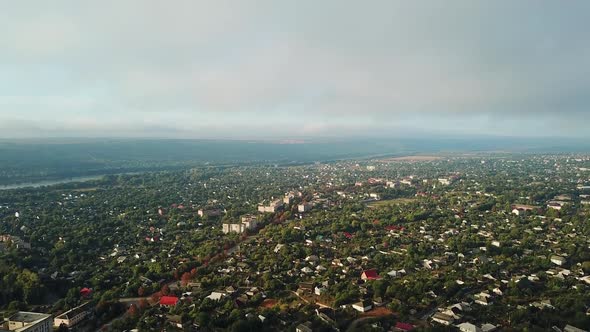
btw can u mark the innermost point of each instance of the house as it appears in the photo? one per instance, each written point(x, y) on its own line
point(252, 291)
point(305, 288)
point(370, 275)
point(468, 327)
point(85, 292)
point(306, 270)
point(557, 260)
point(569, 328)
point(175, 320)
point(482, 298)
point(168, 301)
point(74, 316)
point(403, 327)
point(216, 296)
point(396, 273)
point(319, 290)
point(362, 306)
point(230, 290)
point(278, 247)
point(305, 327)
point(488, 327)
point(327, 315)
point(23, 321)
point(443, 319)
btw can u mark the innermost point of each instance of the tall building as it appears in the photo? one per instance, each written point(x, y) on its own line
point(248, 222)
point(272, 207)
point(23, 321)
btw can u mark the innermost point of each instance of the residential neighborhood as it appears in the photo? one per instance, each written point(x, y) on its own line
point(455, 244)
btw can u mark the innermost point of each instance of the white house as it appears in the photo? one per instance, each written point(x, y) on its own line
point(216, 296)
point(362, 306)
point(468, 327)
point(558, 260)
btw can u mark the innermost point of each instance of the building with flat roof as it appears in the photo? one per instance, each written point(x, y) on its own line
point(248, 222)
point(74, 316)
point(23, 321)
point(272, 207)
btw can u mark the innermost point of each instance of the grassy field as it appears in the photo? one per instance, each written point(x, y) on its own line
point(394, 201)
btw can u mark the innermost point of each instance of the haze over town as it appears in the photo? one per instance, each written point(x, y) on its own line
point(291, 69)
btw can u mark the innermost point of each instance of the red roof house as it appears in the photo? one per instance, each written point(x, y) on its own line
point(399, 326)
point(85, 292)
point(370, 275)
point(168, 301)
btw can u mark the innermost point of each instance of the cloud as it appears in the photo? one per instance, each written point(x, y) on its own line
point(230, 68)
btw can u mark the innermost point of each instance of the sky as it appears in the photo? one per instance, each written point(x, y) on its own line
point(294, 68)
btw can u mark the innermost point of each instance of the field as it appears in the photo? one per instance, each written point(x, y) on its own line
point(394, 201)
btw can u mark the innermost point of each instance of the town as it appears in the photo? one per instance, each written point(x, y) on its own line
point(450, 242)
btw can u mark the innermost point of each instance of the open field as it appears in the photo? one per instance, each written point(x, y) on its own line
point(391, 202)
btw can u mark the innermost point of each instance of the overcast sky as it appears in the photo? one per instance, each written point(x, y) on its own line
point(279, 68)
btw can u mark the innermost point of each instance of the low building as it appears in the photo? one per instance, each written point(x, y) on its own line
point(305, 327)
point(362, 306)
point(570, 328)
point(216, 296)
point(23, 321)
point(74, 316)
point(370, 275)
point(558, 260)
point(403, 327)
point(443, 319)
point(168, 301)
point(468, 327)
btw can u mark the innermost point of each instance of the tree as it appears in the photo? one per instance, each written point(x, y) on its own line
point(165, 290)
point(186, 278)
